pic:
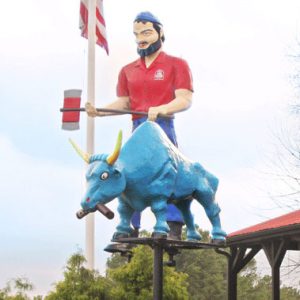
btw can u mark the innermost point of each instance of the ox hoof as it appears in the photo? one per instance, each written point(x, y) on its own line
point(218, 233)
point(159, 235)
point(194, 236)
point(120, 235)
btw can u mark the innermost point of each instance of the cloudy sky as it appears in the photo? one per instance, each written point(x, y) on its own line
point(240, 56)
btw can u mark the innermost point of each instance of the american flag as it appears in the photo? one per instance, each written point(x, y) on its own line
point(100, 23)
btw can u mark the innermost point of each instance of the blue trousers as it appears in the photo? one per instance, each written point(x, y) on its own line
point(173, 214)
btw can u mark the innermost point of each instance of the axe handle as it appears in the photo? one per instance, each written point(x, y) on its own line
point(100, 207)
point(117, 111)
point(105, 211)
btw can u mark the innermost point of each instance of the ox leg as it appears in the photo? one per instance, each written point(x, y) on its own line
point(159, 208)
point(124, 229)
point(185, 208)
point(206, 198)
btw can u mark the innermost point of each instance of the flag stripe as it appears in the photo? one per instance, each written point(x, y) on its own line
point(99, 15)
point(100, 23)
point(83, 20)
point(101, 29)
point(101, 41)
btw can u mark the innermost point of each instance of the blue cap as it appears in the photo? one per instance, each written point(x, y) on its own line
point(147, 16)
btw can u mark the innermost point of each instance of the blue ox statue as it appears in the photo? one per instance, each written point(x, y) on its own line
point(150, 171)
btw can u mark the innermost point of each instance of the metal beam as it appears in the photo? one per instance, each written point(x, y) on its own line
point(275, 251)
point(158, 272)
point(237, 260)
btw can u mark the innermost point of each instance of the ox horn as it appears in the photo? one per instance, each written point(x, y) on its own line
point(111, 159)
point(85, 156)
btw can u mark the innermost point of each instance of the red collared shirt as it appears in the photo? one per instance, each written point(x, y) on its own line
point(155, 85)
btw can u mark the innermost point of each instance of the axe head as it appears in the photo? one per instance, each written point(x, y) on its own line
point(70, 119)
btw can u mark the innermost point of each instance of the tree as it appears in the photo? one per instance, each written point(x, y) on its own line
point(251, 286)
point(20, 285)
point(284, 190)
point(207, 277)
point(288, 293)
point(285, 167)
point(205, 274)
point(199, 275)
point(134, 280)
point(80, 283)
point(206, 271)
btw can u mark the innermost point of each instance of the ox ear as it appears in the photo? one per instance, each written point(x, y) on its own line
point(85, 156)
point(117, 172)
point(111, 159)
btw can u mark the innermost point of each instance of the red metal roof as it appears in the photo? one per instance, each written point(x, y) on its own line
point(282, 221)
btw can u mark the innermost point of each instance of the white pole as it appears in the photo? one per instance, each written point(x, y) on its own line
point(90, 221)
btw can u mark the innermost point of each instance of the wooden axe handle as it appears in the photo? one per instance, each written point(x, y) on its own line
point(105, 211)
point(101, 208)
point(118, 111)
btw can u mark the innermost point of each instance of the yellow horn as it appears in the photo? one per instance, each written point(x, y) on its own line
point(114, 156)
point(86, 157)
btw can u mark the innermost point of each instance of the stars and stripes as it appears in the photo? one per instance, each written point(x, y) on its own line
point(101, 39)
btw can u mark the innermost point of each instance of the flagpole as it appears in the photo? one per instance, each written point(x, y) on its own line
point(90, 220)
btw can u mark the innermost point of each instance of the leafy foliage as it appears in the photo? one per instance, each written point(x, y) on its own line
point(80, 283)
point(134, 280)
point(207, 277)
point(20, 285)
point(206, 271)
point(199, 275)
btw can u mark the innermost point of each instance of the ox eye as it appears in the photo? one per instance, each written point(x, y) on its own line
point(104, 176)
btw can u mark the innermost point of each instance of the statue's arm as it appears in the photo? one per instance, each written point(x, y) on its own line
point(181, 102)
point(121, 103)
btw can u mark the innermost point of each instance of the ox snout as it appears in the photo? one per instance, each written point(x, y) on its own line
point(88, 201)
point(87, 204)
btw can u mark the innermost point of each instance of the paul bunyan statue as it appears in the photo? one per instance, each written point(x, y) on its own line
point(149, 171)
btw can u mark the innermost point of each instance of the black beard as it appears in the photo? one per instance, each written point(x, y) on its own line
point(151, 49)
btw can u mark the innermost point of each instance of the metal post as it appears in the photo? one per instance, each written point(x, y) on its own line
point(275, 282)
point(158, 272)
point(90, 221)
point(231, 283)
point(231, 272)
point(275, 252)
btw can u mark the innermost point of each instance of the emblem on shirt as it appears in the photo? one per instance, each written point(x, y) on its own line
point(159, 75)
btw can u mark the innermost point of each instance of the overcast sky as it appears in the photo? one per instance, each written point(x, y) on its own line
point(240, 56)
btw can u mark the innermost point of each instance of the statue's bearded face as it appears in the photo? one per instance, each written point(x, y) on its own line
point(145, 35)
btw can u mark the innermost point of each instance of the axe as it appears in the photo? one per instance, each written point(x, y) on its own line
point(71, 110)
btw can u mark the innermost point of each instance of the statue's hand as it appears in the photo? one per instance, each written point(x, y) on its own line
point(155, 111)
point(91, 110)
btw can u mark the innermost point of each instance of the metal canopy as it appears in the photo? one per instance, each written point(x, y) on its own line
point(275, 237)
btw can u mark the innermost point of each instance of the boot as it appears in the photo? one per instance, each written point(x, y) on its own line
point(122, 247)
point(134, 233)
point(118, 248)
point(175, 230)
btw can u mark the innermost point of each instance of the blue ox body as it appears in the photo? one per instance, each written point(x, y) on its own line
point(149, 171)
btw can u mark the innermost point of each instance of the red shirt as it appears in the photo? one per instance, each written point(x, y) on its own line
point(155, 85)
